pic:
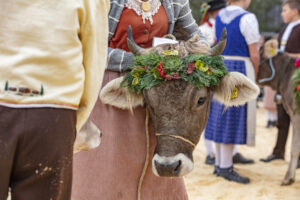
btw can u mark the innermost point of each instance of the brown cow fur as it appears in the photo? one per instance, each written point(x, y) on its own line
point(174, 110)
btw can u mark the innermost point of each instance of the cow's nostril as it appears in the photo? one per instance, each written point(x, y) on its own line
point(177, 168)
point(157, 165)
point(168, 169)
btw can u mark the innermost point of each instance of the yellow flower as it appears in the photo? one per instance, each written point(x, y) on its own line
point(136, 72)
point(201, 66)
point(234, 93)
point(170, 53)
point(135, 81)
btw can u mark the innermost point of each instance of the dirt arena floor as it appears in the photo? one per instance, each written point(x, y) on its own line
point(265, 178)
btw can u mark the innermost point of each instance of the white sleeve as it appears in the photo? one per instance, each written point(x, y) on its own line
point(93, 35)
point(249, 28)
point(207, 33)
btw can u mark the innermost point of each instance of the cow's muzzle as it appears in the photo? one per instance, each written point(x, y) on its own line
point(168, 169)
point(171, 166)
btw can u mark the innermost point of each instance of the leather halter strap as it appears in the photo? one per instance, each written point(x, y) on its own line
point(179, 138)
point(272, 69)
point(283, 69)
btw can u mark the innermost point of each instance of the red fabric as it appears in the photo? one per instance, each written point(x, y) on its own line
point(209, 24)
point(142, 33)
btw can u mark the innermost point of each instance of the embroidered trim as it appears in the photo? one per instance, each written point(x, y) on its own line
point(23, 91)
point(20, 104)
point(136, 5)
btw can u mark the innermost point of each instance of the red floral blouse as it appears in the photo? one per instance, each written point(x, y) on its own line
point(142, 33)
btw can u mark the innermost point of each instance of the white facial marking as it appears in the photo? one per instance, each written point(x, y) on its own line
point(187, 164)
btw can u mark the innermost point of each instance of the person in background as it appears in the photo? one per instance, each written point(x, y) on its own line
point(268, 95)
point(51, 65)
point(235, 125)
point(207, 27)
point(270, 106)
point(289, 42)
point(113, 170)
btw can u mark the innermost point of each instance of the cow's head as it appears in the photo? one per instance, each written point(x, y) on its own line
point(273, 65)
point(267, 70)
point(178, 109)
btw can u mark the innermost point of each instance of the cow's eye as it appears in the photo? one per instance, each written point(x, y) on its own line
point(201, 101)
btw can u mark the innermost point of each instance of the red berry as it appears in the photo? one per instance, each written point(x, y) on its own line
point(297, 63)
point(298, 88)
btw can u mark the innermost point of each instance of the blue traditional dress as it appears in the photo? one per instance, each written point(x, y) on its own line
point(234, 125)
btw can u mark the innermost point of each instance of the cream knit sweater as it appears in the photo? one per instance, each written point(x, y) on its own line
point(53, 53)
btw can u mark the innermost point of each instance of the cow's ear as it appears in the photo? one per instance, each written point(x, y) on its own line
point(270, 48)
point(235, 89)
point(122, 98)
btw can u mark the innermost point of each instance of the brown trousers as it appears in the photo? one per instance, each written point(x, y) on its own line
point(283, 126)
point(36, 149)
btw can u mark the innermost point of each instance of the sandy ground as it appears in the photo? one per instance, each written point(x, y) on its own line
point(265, 178)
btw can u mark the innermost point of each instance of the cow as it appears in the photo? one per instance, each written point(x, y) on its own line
point(275, 70)
point(179, 110)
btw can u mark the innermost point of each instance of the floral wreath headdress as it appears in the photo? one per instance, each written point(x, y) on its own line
point(152, 68)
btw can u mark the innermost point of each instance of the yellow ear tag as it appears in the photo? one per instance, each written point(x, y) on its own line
point(273, 52)
point(234, 93)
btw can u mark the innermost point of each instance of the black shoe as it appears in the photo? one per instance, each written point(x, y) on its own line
point(216, 170)
point(271, 157)
point(231, 175)
point(239, 158)
point(274, 123)
point(210, 160)
point(269, 124)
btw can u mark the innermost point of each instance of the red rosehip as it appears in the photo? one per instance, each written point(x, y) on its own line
point(298, 88)
point(297, 63)
point(162, 74)
point(160, 65)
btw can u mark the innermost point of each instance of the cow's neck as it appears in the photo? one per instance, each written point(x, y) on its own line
point(285, 87)
point(284, 70)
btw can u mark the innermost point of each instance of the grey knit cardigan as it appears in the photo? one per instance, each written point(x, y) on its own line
point(180, 19)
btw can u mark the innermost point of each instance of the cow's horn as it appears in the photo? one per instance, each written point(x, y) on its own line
point(134, 48)
point(219, 48)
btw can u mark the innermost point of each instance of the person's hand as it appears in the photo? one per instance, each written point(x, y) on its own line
point(197, 46)
point(89, 137)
